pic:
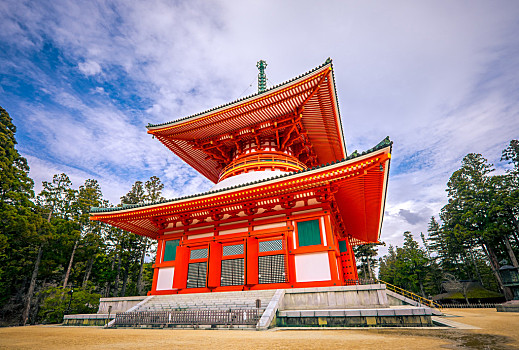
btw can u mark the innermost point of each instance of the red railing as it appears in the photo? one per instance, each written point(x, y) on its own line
point(257, 160)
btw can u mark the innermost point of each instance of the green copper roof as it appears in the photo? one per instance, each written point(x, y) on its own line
point(382, 144)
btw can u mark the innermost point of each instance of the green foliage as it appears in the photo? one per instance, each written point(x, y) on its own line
point(15, 183)
point(475, 293)
point(98, 259)
point(22, 230)
point(480, 219)
point(57, 302)
point(57, 197)
point(136, 194)
point(366, 261)
point(154, 189)
point(479, 226)
point(407, 267)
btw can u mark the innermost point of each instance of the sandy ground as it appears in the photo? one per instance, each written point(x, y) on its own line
point(498, 331)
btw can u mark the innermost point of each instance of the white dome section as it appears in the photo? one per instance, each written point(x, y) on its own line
point(246, 177)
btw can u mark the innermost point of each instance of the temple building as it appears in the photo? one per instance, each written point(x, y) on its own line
point(288, 203)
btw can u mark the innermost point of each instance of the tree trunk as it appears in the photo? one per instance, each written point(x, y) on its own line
point(516, 223)
point(108, 283)
point(88, 271)
point(466, 299)
point(495, 269)
point(421, 288)
point(32, 285)
point(125, 280)
point(510, 251)
point(36, 309)
point(71, 261)
point(369, 269)
point(116, 283)
point(141, 269)
point(475, 265)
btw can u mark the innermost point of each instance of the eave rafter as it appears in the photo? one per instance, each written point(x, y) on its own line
point(321, 185)
point(289, 131)
point(266, 102)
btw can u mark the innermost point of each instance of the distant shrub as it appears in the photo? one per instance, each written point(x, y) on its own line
point(56, 301)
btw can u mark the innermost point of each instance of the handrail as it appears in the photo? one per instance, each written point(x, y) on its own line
point(264, 158)
point(411, 295)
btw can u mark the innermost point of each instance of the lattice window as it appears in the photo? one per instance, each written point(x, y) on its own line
point(198, 254)
point(236, 249)
point(196, 275)
point(272, 269)
point(269, 246)
point(232, 272)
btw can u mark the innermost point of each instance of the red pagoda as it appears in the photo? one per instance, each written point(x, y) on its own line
point(288, 203)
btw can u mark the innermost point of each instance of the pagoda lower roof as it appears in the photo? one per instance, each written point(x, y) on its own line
point(311, 96)
point(360, 190)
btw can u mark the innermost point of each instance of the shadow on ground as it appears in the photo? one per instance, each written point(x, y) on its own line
point(460, 339)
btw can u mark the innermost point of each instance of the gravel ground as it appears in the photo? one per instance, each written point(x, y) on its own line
point(498, 331)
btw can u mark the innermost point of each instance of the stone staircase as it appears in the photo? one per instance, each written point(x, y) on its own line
point(203, 310)
point(208, 301)
point(338, 306)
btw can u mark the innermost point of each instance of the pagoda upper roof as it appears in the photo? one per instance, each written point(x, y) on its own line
point(360, 199)
point(310, 97)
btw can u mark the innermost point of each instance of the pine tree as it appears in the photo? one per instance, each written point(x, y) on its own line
point(467, 216)
point(88, 196)
point(22, 231)
point(365, 255)
point(407, 267)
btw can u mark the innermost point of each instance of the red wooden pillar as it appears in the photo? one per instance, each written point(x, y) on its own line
point(349, 266)
point(214, 265)
point(158, 259)
point(354, 262)
point(181, 266)
point(291, 256)
point(252, 261)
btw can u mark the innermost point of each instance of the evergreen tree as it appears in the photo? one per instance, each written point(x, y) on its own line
point(366, 260)
point(88, 196)
point(406, 267)
point(467, 214)
point(57, 197)
point(16, 187)
point(154, 189)
point(22, 231)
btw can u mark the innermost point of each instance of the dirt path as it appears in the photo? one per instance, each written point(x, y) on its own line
point(498, 331)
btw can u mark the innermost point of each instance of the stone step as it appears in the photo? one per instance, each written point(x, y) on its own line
point(208, 301)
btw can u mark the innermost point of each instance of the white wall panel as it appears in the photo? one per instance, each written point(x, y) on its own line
point(165, 278)
point(267, 226)
point(312, 267)
point(201, 235)
point(233, 230)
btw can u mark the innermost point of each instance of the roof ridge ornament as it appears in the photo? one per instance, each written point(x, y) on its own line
point(262, 77)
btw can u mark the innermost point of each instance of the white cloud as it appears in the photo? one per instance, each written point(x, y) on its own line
point(89, 68)
point(438, 77)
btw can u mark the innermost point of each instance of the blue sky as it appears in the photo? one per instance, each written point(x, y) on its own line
point(82, 79)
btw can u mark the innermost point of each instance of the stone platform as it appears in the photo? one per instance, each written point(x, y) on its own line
point(340, 306)
point(509, 306)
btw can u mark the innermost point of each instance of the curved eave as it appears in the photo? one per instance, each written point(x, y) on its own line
point(320, 118)
point(246, 99)
point(360, 197)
